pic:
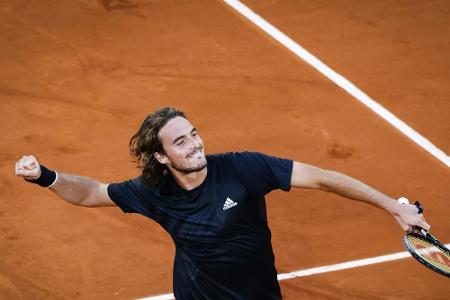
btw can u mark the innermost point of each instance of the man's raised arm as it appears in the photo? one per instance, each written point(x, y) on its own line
point(311, 177)
point(74, 189)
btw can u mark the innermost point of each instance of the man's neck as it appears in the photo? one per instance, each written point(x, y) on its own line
point(191, 180)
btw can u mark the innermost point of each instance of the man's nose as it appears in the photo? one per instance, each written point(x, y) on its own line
point(195, 143)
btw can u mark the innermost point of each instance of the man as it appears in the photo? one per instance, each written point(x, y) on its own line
point(212, 205)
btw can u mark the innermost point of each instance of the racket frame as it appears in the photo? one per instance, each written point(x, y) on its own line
point(431, 241)
point(427, 237)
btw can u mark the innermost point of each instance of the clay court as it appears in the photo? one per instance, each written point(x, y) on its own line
point(78, 77)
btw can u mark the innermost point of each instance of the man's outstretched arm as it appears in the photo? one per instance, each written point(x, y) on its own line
point(311, 177)
point(76, 190)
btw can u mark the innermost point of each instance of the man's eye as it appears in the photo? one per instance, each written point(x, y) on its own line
point(180, 142)
point(194, 133)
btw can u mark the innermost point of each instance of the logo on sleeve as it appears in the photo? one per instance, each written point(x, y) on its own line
point(229, 204)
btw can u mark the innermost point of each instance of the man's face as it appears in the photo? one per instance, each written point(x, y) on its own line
point(183, 146)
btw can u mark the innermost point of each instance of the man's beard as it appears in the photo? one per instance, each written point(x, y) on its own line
point(190, 169)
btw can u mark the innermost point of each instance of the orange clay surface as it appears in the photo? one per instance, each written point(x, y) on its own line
point(78, 77)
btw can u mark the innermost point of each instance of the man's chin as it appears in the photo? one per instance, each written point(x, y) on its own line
point(190, 170)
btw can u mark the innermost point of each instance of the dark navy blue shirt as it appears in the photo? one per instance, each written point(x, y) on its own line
point(223, 242)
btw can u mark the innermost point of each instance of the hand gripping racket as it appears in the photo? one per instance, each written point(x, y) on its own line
point(426, 248)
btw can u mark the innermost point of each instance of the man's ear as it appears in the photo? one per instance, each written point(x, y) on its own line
point(162, 159)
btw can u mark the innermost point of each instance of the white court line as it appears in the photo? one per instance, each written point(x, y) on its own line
point(160, 297)
point(323, 269)
point(339, 80)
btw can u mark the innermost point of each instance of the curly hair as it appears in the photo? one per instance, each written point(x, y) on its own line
point(145, 143)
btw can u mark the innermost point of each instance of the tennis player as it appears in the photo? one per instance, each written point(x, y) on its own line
point(213, 206)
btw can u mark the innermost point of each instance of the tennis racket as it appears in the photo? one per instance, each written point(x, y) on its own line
point(426, 248)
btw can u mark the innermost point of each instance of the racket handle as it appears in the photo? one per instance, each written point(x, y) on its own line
point(419, 207)
point(423, 231)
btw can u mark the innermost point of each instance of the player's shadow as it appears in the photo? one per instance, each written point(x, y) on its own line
point(117, 4)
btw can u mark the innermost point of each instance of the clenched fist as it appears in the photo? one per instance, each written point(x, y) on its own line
point(28, 167)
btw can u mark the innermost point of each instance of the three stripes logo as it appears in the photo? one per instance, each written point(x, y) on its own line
point(229, 204)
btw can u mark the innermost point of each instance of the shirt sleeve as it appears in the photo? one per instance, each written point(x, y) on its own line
point(261, 173)
point(131, 197)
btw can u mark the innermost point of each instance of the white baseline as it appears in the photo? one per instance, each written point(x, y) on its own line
point(339, 80)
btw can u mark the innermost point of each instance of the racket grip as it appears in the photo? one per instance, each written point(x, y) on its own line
point(423, 231)
point(419, 207)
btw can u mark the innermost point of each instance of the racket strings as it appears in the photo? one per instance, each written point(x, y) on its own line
point(431, 253)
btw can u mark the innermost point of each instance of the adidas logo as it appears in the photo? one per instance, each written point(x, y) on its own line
point(229, 204)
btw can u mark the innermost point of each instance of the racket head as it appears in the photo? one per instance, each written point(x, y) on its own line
point(428, 252)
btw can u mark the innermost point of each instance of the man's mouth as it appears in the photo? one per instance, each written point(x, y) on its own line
point(195, 152)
